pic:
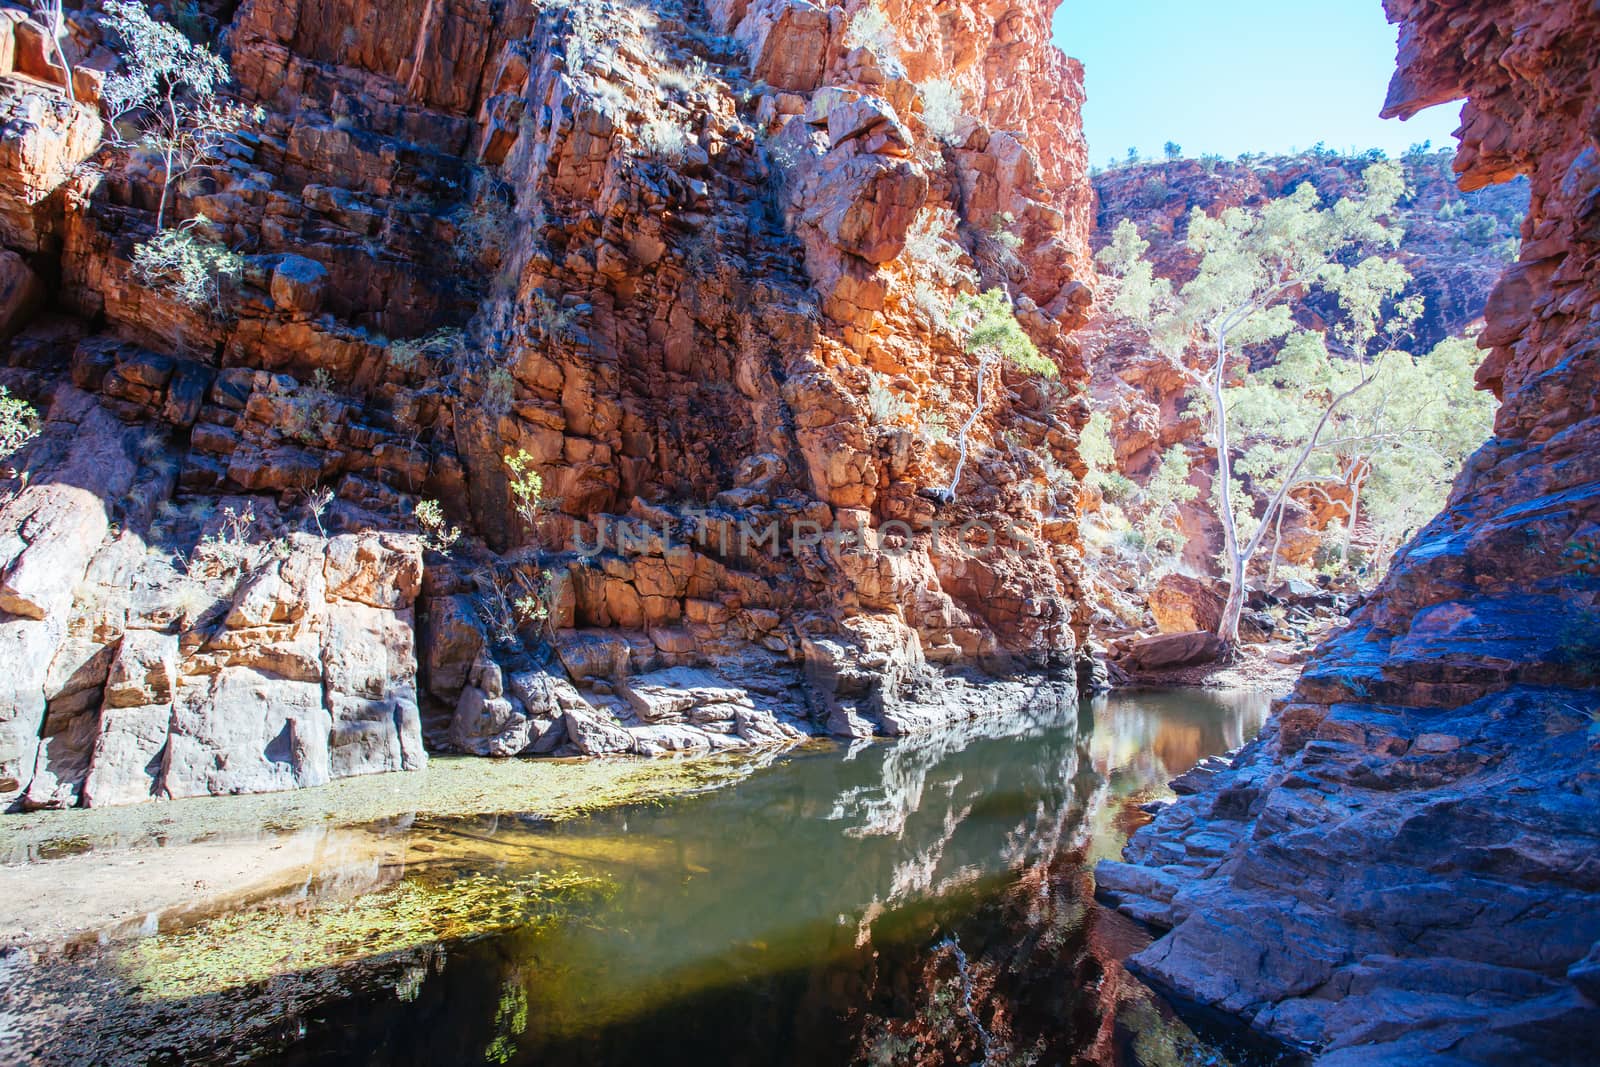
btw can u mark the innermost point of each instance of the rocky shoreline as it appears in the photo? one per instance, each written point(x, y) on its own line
point(679, 294)
point(1405, 883)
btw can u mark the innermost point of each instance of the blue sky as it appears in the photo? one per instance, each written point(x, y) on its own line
point(1232, 76)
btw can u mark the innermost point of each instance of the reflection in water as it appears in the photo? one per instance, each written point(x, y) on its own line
point(926, 901)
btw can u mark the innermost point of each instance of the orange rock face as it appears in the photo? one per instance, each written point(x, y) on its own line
point(697, 268)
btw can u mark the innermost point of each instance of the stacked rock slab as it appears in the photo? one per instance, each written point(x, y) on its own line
point(661, 252)
point(1402, 869)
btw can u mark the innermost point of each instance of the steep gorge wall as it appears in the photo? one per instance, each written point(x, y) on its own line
point(661, 251)
point(1403, 865)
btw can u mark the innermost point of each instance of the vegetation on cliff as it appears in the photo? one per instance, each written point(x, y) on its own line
point(1277, 345)
point(1255, 268)
point(553, 331)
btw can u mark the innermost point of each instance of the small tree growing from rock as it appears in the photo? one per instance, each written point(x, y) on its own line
point(19, 423)
point(527, 486)
point(167, 93)
point(193, 270)
point(991, 333)
point(438, 535)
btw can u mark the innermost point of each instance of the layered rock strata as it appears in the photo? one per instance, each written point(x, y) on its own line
point(662, 254)
point(1402, 867)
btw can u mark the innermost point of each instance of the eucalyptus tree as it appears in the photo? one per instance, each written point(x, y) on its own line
point(1257, 267)
point(164, 97)
point(1399, 444)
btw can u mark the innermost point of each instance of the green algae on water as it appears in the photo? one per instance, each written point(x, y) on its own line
point(450, 786)
point(243, 948)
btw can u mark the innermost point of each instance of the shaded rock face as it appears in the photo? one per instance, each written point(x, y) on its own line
point(664, 252)
point(183, 662)
point(1404, 864)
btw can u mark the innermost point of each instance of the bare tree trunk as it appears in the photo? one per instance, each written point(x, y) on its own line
point(1235, 605)
point(1277, 547)
point(1228, 629)
point(966, 428)
point(1355, 512)
point(57, 26)
point(1228, 626)
point(167, 154)
point(166, 183)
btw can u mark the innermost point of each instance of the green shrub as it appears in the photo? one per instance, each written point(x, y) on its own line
point(189, 268)
point(19, 423)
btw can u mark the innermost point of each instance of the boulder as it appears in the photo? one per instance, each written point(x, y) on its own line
point(21, 293)
point(788, 43)
point(528, 718)
point(489, 726)
point(299, 284)
point(1182, 604)
point(1165, 652)
point(595, 736)
point(593, 655)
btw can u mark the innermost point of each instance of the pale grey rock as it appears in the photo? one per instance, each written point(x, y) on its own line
point(594, 736)
point(661, 738)
point(144, 670)
point(670, 695)
point(370, 678)
point(126, 762)
point(245, 732)
point(490, 726)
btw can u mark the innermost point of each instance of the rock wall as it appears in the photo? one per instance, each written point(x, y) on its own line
point(663, 252)
point(1402, 867)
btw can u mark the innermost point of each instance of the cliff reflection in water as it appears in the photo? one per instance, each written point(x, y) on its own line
point(926, 901)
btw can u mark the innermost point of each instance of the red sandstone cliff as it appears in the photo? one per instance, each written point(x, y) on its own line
point(663, 252)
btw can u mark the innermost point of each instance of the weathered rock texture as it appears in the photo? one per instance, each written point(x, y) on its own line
point(1403, 867)
point(661, 251)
